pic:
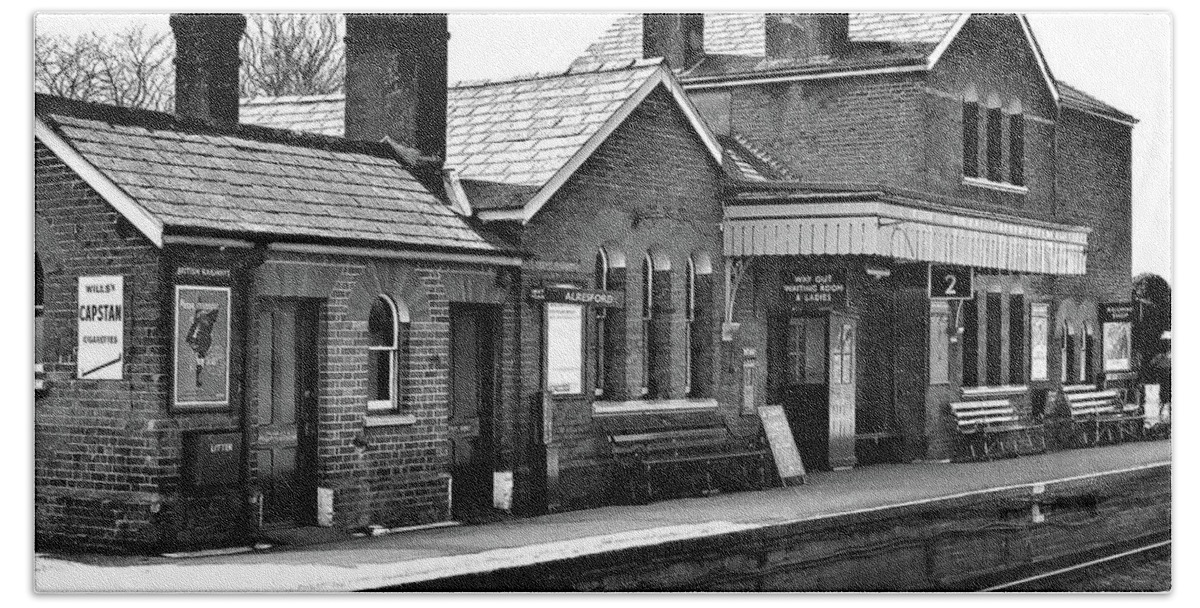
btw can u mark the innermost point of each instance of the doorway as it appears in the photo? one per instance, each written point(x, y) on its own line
point(473, 370)
point(284, 444)
point(813, 365)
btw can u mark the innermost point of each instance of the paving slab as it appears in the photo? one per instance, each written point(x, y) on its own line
point(371, 562)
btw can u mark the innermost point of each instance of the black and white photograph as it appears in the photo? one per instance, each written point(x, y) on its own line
point(337, 299)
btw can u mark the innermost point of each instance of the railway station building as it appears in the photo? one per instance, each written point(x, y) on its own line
point(440, 300)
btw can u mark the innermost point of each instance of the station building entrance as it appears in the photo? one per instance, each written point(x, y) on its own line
point(811, 366)
point(863, 357)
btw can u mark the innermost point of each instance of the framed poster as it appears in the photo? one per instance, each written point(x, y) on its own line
point(1118, 340)
point(101, 346)
point(564, 348)
point(201, 346)
point(1039, 335)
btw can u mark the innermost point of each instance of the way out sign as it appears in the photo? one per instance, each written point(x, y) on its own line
point(950, 282)
point(101, 328)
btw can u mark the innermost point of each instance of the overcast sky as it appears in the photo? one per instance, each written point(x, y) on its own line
point(1122, 58)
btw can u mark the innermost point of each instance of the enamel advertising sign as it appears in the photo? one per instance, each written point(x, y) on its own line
point(101, 328)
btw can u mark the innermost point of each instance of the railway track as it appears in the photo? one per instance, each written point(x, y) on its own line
point(1131, 569)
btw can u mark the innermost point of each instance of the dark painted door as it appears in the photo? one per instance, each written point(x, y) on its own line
point(472, 394)
point(802, 384)
point(285, 435)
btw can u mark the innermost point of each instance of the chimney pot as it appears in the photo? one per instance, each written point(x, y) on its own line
point(396, 80)
point(206, 65)
point(803, 37)
point(676, 37)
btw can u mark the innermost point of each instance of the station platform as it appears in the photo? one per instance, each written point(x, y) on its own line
point(441, 552)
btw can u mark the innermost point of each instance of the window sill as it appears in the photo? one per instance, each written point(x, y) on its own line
point(378, 420)
point(618, 408)
point(991, 185)
point(1007, 389)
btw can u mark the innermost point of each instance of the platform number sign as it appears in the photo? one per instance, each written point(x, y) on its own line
point(950, 282)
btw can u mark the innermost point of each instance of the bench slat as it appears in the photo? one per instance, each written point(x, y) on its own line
point(969, 405)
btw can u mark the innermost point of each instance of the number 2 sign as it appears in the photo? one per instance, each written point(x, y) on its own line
point(949, 282)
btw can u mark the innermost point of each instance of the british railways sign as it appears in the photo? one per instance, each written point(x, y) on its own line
point(101, 328)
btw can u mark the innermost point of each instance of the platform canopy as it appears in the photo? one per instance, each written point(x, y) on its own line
point(875, 224)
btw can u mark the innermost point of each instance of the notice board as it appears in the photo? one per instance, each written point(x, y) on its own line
point(783, 445)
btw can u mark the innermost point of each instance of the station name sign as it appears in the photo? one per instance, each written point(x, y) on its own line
point(571, 295)
point(815, 289)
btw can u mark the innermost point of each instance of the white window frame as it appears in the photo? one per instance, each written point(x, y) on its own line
point(393, 400)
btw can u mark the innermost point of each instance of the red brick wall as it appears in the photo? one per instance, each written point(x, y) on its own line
point(652, 184)
point(108, 453)
point(1095, 189)
point(861, 129)
point(991, 56)
point(98, 458)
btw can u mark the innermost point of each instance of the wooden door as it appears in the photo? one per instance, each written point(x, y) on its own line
point(472, 394)
point(843, 369)
point(285, 437)
point(803, 384)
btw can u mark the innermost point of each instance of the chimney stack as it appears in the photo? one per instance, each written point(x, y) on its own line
point(206, 65)
point(396, 80)
point(805, 36)
point(676, 37)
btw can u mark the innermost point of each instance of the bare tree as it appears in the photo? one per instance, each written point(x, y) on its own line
point(132, 68)
point(282, 54)
point(292, 54)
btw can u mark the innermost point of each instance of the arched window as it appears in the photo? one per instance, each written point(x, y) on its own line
point(600, 277)
point(1086, 357)
point(689, 316)
point(387, 336)
point(647, 319)
point(1068, 353)
point(656, 325)
point(698, 315)
point(39, 305)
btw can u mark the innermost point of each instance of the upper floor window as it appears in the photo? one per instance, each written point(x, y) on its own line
point(995, 136)
point(970, 138)
point(998, 132)
point(387, 337)
point(1016, 149)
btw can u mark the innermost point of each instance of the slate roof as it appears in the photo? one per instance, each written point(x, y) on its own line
point(752, 162)
point(743, 34)
point(322, 114)
point(518, 132)
point(523, 131)
point(1079, 99)
point(252, 181)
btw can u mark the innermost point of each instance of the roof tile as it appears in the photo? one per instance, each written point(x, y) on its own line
point(258, 180)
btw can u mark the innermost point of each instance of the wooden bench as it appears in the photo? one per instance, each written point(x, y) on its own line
point(1098, 414)
point(986, 426)
point(693, 450)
